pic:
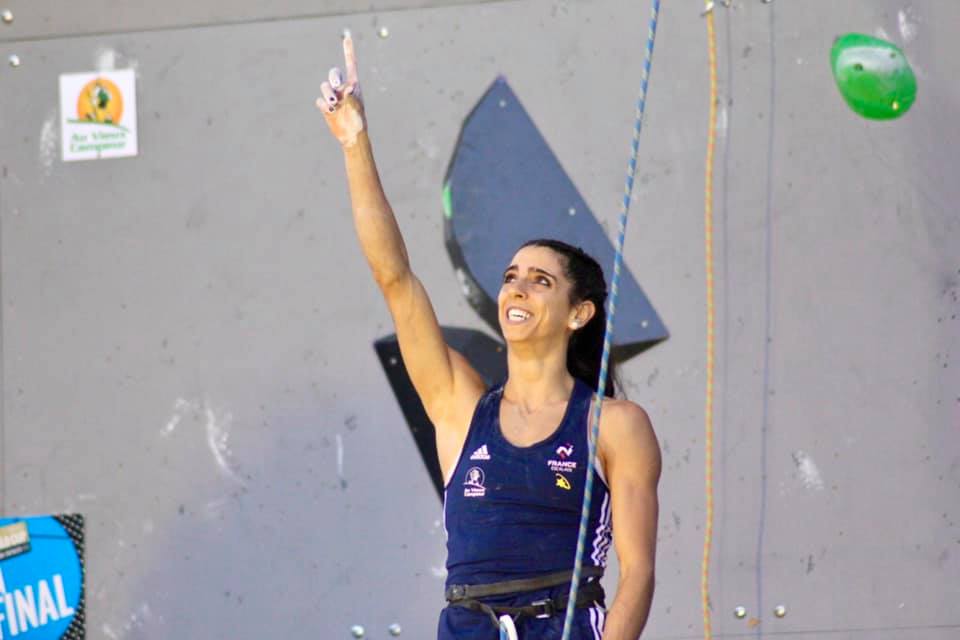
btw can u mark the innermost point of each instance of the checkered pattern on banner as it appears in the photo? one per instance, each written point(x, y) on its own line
point(73, 523)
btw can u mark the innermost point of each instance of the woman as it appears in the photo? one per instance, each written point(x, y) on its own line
point(514, 457)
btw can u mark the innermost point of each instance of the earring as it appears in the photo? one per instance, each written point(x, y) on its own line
point(576, 324)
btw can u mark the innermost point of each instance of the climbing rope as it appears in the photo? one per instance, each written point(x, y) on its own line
point(611, 309)
point(708, 240)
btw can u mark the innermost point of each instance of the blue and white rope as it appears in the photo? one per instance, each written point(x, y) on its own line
point(608, 337)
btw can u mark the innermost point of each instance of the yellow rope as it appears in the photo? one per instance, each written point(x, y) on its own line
point(708, 411)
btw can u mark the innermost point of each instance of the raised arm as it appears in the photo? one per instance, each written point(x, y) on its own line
point(631, 459)
point(446, 383)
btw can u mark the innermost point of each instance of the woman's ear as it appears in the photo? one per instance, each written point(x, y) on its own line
point(582, 314)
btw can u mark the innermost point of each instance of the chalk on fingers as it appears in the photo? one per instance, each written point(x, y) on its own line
point(335, 77)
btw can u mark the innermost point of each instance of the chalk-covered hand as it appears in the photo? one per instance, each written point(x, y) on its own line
point(340, 101)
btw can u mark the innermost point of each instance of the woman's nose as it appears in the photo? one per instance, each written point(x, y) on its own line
point(517, 290)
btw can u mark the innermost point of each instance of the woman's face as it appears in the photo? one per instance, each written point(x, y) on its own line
point(534, 299)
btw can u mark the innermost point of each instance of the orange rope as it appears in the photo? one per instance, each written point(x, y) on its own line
point(708, 411)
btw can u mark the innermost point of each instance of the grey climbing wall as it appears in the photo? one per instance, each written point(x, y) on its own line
point(187, 335)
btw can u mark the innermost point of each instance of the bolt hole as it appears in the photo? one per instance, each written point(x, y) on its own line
point(858, 67)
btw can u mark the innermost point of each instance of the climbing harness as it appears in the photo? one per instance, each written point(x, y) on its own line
point(468, 597)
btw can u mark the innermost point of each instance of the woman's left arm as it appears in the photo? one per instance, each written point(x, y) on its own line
point(631, 460)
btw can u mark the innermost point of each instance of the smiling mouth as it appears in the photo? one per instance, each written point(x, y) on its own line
point(517, 315)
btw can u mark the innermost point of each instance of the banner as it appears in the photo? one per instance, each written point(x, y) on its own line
point(42, 578)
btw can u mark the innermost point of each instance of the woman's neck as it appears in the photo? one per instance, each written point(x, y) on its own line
point(536, 380)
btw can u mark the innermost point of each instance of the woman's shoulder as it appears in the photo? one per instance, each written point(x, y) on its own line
point(626, 425)
point(623, 412)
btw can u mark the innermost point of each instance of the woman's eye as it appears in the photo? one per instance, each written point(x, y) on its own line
point(543, 281)
point(509, 277)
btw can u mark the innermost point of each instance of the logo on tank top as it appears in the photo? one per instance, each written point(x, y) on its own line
point(481, 454)
point(562, 481)
point(563, 465)
point(473, 483)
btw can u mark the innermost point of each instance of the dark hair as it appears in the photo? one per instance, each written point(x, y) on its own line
point(585, 350)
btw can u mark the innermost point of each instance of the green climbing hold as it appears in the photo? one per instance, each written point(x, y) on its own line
point(873, 76)
point(447, 202)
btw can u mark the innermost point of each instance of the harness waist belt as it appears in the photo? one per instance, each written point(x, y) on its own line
point(462, 595)
point(457, 592)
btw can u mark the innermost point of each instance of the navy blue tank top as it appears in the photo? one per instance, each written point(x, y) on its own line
point(514, 512)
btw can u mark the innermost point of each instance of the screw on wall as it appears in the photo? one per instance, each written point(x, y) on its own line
point(7, 16)
point(394, 629)
point(357, 631)
point(740, 613)
point(779, 611)
point(708, 8)
point(14, 60)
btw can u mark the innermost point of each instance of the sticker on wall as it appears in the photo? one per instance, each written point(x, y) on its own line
point(98, 115)
point(42, 578)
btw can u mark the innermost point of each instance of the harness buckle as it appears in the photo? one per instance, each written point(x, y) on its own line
point(548, 608)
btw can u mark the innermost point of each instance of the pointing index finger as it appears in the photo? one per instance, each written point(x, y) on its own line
point(350, 58)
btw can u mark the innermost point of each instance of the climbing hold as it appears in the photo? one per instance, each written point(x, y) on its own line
point(873, 76)
point(505, 186)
